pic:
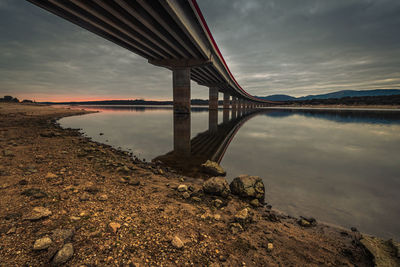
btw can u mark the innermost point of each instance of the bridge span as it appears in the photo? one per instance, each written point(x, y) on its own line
point(168, 33)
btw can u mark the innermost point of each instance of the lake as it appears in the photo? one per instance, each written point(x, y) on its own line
point(338, 166)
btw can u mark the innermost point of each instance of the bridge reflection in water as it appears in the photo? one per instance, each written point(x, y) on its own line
point(189, 154)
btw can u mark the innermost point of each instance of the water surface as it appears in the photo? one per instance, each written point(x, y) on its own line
point(341, 167)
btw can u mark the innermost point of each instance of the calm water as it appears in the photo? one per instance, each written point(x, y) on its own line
point(341, 167)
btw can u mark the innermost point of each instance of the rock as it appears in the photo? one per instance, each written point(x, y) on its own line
point(255, 202)
point(270, 247)
point(217, 217)
point(84, 197)
point(307, 222)
point(50, 175)
point(38, 213)
point(114, 226)
point(42, 243)
point(11, 231)
point(246, 186)
point(242, 216)
point(186, 195)
point(177, 242)
point(64, 254)
point(235, 228)
point(63, 235)
point(381, 250)
point(217, 203)
point(304, 223)
point(213, 168)
point(196, 199)
point(123, 169)
point(34, 193)
point(217, 186)
point(133, 181)
point(103, 197)
point(182, 188)
point(353, 229)
point(75, 218)
point(8, 153)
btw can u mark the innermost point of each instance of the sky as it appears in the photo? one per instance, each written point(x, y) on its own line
point(271, 46)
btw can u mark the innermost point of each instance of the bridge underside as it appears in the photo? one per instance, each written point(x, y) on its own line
point(168, 33)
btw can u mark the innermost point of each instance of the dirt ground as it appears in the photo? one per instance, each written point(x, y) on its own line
point(120, 211)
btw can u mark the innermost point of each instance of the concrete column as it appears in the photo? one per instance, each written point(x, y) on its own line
point(213, 98)
point(182, 134)
point(181, 90)
point(213, 120)
point(234, 113)
point(226, 100)
point(234, 102)
point(225, 115)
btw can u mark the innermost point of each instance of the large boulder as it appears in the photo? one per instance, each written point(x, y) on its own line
point(213, 168)
point(250, 187)
point(216, 186)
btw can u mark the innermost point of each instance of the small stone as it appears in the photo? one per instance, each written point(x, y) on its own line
point(8, 153)
point(39, 213)
point(186, 195)
point(217, 203)
point(177, 242)
point(196, 199)
point(42, 243)
point(114, 226)
point(103, 197)
point(84, 197)
point(182, 188)
point(213, 168)
point(353, 229)
point(217, 217)
point(255, 202)
point(11, 231)
point(50, 175)
point(63, 235)
point(242, 216)
point(75, 218)
point(270, 247)
point(64, 254)
point(235, 228)
point(304, 223)
point(133, 181)
point(124, 169)
point(217, 186)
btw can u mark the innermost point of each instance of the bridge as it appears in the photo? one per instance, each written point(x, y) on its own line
point(168, 33)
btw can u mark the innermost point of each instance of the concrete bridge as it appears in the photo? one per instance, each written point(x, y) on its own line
point(168, 33)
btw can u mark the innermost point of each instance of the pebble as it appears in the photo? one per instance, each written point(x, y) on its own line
point(196, 199)
point(186, 195)
point(114, 226)
point(64, 254)
point(242, 216)
point(50, 175)
point(39, 213)
point(177, 242)
point(103, 197)
point(270, 247)
point(217, 203)
point(42, 243)
point(255, 202)
point(84, 197)
point(182, 188)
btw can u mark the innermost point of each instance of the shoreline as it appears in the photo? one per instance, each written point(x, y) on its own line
point(125, 211)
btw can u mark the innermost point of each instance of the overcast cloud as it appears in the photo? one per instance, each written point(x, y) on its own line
point(272, 47)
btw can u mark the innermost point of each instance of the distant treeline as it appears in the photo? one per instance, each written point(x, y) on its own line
point(128, 102)
point(8, 98)
point(354, 101)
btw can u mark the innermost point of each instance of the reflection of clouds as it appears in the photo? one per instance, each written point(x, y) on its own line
point(344, 173)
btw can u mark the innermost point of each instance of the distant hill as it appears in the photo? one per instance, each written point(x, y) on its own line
point(339, 94)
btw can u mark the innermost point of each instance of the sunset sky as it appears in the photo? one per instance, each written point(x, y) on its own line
point(272, 47)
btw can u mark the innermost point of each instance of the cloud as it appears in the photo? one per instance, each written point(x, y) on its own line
point(283, 46)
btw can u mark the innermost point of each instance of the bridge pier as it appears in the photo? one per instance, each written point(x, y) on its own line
point(181, 89)
point(225, 115)
point(213, 98)
point(226, 100)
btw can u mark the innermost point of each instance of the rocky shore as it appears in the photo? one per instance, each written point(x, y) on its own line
point(66, 200)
